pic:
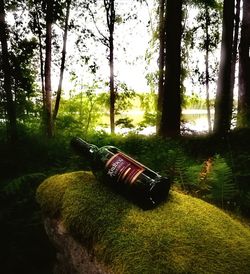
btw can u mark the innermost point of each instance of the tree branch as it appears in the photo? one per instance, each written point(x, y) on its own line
point(104, 39)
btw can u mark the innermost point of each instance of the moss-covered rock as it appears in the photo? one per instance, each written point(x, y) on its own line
point(183, 235)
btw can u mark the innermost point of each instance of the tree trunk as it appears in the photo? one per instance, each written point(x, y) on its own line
point(90, 112)
point(110, 17)
point(235, 44)
point(224, 96)
point(171, 101)
point(41, 57)
point(10, 105)
point(112, 85)
point(48, 90)
point(59, 89)
point(207, 44)
point(161, 59)
point(244, 69)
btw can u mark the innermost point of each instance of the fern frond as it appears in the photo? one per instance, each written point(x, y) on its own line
point(220, 178)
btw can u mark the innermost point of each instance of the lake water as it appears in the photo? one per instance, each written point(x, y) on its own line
point(195, 121)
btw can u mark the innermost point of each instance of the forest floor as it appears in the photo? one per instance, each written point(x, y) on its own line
point(25, 247)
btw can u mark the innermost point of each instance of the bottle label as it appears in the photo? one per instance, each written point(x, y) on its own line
point(124, 169)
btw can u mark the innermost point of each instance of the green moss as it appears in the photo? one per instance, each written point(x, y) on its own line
point(184, 235)
point(50, 193)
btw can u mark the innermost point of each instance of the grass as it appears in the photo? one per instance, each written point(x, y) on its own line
point(184, 235)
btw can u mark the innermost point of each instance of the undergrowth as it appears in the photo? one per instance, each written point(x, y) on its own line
point(182, 160)
point(208, 167)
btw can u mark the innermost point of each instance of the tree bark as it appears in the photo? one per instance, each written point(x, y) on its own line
point(10, 104)
point(207, 44)
point(110, 17)
point(112, 85)
point(235, 44)
point(59, 89)
point(171, 101)
point(48, 89)
point(161, 59)
point(244, 69)
point(224, 95)
point(41, 56)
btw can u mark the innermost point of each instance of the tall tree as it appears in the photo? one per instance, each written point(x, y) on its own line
point(162, 38)
point(207, 44)
point(59, 89)
point(208, 22)
point(10, 104)
point(39, 31)
point(110, 18)
point(36, 9)
point(244, 69)
point(235, 43)
point(48, 89)
point(106, 37)
point(224, 95)
point(171, 101)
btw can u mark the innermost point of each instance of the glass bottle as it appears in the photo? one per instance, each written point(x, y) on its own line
point(124, 175)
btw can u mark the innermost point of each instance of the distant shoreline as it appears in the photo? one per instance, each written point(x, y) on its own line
point(196, 111)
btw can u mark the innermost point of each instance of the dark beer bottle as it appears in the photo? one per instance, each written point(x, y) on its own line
point(124, 175)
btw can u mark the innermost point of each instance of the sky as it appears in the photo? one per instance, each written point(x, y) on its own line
point(129, 65)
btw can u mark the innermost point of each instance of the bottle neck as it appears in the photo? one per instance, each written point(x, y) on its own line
point(83, 148)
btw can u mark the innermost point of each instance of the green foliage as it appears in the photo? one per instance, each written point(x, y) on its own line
point(23, 75)
point(148, 101)
point(183, 172)
point(176, 167)
point(124, 98)
point(196, 186)
point(125, 123)
point(34, 154)
point(81, 113)
point(205, 36)
point(212, 180)
point(194, 102)
point(149, 119)
point(148, 105)
point(216, 4)
point(220, 179)
point(180, 160)
point(170, 159)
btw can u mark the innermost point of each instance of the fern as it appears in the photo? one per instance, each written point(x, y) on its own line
point(181, 171)
point(220, 179)
point(197, 185)
point(177, 168)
